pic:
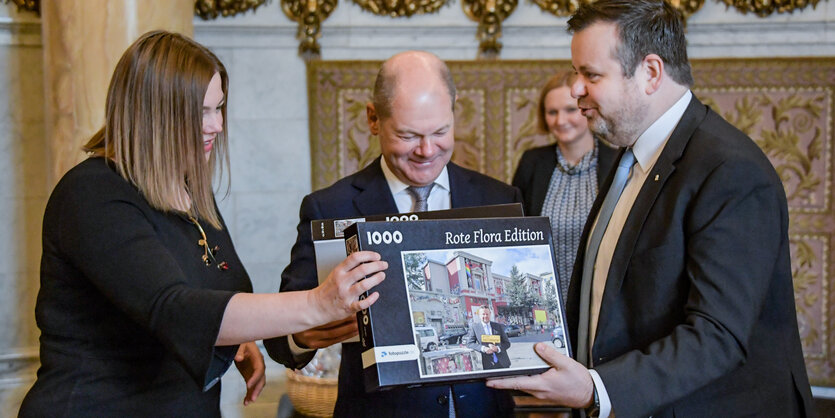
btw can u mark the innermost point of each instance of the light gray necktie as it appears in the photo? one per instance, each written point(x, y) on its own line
point(606, 210)
point(420, 194)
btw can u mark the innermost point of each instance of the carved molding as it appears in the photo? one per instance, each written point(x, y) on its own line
point(309, 14)
point(18, 367)
point(687, 7)
point(489, 14)
point(763, 8)
point(27, 5)
point(211, 9)
point(565, 8)
point(401, 8)
point(561, 8)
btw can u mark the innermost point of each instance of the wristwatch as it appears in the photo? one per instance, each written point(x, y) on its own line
point(593, 411)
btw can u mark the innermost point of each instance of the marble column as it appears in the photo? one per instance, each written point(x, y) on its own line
point(82, 41)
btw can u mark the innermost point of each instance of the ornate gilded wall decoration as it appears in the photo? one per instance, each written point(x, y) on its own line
point(27, 5)
point(359, 147)
point(787, 109)
point(565, 8)
point(766, 7)
point(470, 143)
point(687, 7)
point(489, 14)
point(787, 106)
point(809, 272)
point(561, 8)
point(309, 14)
point(211, 9)
point(401, 8)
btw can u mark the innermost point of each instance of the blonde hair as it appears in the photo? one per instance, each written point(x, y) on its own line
point(154, 122)
point(560, 79)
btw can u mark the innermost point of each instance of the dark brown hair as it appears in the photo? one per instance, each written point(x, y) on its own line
point(644, 27)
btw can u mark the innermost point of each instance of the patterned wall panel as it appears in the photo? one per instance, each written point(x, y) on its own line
point(785, 105)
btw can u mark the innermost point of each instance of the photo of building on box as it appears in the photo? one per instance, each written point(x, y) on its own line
point(482, 309)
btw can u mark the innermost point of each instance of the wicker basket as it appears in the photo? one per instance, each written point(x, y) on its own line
point(311, 396)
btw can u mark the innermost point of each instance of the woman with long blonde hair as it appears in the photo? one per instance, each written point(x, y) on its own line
point(144, 303)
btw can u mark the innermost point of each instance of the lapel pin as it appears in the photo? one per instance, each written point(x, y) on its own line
point(656, 177)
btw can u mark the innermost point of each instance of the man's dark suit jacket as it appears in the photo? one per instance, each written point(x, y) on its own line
point(367, 193)
point(473, 339)
point(533, 174)
point(698, 315)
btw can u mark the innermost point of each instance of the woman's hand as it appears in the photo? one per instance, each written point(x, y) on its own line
point(250, 364)
point(338, 296)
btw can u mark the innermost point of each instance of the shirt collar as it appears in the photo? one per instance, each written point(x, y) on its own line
point(648, 147)
point(396, 186)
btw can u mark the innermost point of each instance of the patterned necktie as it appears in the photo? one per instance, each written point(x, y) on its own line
point(420, 194)
point(489, 331)
point(606, 210)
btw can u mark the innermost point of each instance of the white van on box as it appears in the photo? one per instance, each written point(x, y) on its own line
point(427, 337)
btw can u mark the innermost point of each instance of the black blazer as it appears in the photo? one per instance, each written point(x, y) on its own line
point(698, 308)
point(533, 174)
point(366, 192)
point(129, 314)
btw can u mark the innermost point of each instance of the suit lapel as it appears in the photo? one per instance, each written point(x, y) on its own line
point(462, 194)
point(651, 189)
point(543, 170)
point(373, 194)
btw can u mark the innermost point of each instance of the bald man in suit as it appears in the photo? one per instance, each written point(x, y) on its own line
point(412, 113)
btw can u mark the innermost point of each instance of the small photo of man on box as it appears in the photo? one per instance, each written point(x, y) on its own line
point(490, 339)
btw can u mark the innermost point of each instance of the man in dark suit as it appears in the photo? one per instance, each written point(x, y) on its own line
point(489, 339)
point(682, 288)
point(412, 113)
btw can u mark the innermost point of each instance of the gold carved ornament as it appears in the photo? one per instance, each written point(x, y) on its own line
point(765, 8)
point(401, 8)
point(489, 14)
point(565, 8)
point(561, 8)
point(211, 9)
point(27, 5)
point(309, 14)
point(687, 7)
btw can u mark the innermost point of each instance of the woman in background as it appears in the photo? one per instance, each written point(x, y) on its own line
point(144, 302)
point(561, 180)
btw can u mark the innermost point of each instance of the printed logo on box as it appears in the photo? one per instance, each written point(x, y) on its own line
point(389, 353)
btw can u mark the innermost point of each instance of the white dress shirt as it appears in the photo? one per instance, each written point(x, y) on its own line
point(647, 149)
point(439, 197)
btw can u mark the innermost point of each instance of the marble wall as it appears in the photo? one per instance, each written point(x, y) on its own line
point(23, 193)
point(268, 128)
